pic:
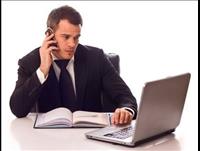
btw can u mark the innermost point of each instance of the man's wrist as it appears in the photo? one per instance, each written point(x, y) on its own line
point(42, 78)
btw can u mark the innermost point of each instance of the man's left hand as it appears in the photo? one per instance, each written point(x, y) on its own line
point(121, 116)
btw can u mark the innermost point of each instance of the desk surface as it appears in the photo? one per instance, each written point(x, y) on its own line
point(23, 136)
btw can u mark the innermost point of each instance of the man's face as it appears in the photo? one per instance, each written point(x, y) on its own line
point(67, 37)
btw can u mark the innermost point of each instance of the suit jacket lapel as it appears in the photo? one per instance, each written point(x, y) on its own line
point(80, 69)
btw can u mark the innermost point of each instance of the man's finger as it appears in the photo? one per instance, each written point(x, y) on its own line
point(116, 116)
point(122, 116)
point(128, 117)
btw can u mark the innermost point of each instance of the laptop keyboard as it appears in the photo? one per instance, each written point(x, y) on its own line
point(122, 134)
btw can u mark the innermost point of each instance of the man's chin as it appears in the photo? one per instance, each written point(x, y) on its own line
point(68, 56)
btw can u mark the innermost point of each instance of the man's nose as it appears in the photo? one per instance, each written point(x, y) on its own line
point(71, 42)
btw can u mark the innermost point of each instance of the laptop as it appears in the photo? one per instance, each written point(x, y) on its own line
point(159, 113)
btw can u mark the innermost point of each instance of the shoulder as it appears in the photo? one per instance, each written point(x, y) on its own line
point(90, 51)
point(31, 55)
point(30, 59)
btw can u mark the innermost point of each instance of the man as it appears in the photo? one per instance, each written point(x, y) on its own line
point(40, 75)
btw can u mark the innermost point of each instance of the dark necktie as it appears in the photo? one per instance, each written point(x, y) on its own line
point(66, 87)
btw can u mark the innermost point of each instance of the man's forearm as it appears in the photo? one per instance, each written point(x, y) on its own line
point(25, 96)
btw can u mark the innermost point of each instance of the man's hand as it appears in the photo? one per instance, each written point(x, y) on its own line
point(121, 116)
point(45, 54)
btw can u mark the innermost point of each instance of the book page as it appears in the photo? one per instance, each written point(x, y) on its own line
point(91, 119)
point(58, 116)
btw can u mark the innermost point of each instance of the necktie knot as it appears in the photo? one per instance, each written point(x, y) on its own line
point(62, 63)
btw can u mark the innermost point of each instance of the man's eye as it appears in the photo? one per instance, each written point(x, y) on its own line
point(76, 38)
point(66, 37)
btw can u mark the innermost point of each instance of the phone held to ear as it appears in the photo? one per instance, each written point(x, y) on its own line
point(48, 32)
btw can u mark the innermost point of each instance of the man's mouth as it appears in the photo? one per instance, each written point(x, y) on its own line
point(69, 50)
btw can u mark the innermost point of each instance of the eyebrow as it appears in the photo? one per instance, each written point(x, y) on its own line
point(71, 35)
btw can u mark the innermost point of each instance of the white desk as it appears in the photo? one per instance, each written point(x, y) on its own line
point(24, 137)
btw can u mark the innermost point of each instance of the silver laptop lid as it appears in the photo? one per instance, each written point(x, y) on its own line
point(161, 106)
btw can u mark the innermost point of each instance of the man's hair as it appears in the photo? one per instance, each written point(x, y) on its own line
point(61, 13)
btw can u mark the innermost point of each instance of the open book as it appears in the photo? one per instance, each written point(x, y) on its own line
point(62, 117)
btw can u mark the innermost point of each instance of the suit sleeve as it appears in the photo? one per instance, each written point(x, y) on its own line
point(115, 87)
point(26, 91)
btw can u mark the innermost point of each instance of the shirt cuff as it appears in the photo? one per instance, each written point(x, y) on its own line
point(130, 110)
point(41, 76)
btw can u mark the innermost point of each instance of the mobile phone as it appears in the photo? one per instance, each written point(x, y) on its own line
point(50, 31)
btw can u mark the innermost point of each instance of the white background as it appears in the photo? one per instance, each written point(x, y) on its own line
point(153, 39)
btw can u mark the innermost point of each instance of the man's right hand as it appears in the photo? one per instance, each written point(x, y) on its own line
point(45, 54)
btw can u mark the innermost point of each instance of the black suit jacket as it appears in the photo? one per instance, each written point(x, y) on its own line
point(94, 73)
